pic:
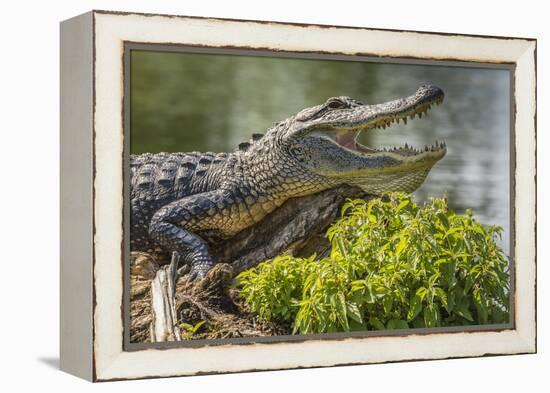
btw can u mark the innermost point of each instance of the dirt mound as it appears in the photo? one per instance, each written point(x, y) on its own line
point(205, 309)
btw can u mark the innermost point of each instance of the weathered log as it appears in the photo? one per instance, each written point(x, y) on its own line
point(163, 303)
point(298, 226)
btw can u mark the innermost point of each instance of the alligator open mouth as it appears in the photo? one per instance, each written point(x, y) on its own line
point(383, 116)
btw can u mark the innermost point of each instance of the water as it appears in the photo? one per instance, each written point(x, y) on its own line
point(186, 102)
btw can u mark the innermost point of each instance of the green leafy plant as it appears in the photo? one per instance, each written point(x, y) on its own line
point(394, 265)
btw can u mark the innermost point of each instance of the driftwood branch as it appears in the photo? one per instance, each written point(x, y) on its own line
point(163, 303)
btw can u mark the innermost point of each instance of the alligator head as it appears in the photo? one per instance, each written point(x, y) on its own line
point(322, 141)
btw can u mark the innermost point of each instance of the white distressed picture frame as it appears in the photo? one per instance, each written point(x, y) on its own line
point(92, 219)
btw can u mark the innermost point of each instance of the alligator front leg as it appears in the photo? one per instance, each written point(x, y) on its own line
point(172, 227)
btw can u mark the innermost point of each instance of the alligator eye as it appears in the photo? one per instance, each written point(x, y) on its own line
point(335, 104)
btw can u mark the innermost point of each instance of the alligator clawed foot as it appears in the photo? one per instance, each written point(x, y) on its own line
point(198, 272)
point(196, 275)
point(214, 285)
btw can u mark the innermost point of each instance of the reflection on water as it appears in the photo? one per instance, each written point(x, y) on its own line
point(185, 102)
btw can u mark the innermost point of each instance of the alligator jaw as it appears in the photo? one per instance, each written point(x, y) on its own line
point(383, 116)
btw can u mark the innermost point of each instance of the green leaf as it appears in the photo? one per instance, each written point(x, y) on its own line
point(369, 294)
point(371, 217)
point(444, 220)
point(478, 229)
point(341, 247)
point(481, 307)
point(355, 326)
point(397, 324)
point(387, 302)
point(433, 278)
point(414, 308)
point(449, 268)
point(421, 292)
point(442, 296)
point(498, 315)
point(197, 326)
point(342, 311)
point(376, 323)
point(431, 316)
point(402, 244)
point(463, 311)
point(402, 204)
point(401, 324)
point(469, 281)
point(418, 323)
point(354, 313)
point(450, 302)
point(452, 230)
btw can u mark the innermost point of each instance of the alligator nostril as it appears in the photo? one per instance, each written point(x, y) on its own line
point(430, 91)
point(437, 91)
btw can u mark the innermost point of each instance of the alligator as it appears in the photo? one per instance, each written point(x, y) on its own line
point(184, 201)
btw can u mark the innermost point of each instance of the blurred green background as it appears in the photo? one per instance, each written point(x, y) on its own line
point(206, 102)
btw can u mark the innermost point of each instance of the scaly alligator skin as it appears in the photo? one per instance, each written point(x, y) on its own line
point(182, 201)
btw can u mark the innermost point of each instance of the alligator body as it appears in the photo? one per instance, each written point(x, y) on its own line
point(184, 201)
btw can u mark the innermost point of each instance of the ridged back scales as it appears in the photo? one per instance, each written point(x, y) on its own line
point(159, 179)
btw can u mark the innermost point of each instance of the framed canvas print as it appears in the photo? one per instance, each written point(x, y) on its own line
point(247, 195)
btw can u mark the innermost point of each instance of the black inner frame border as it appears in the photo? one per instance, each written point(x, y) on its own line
point(130, 46)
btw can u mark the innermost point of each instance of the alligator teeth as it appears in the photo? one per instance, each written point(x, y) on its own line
point(409, 150)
